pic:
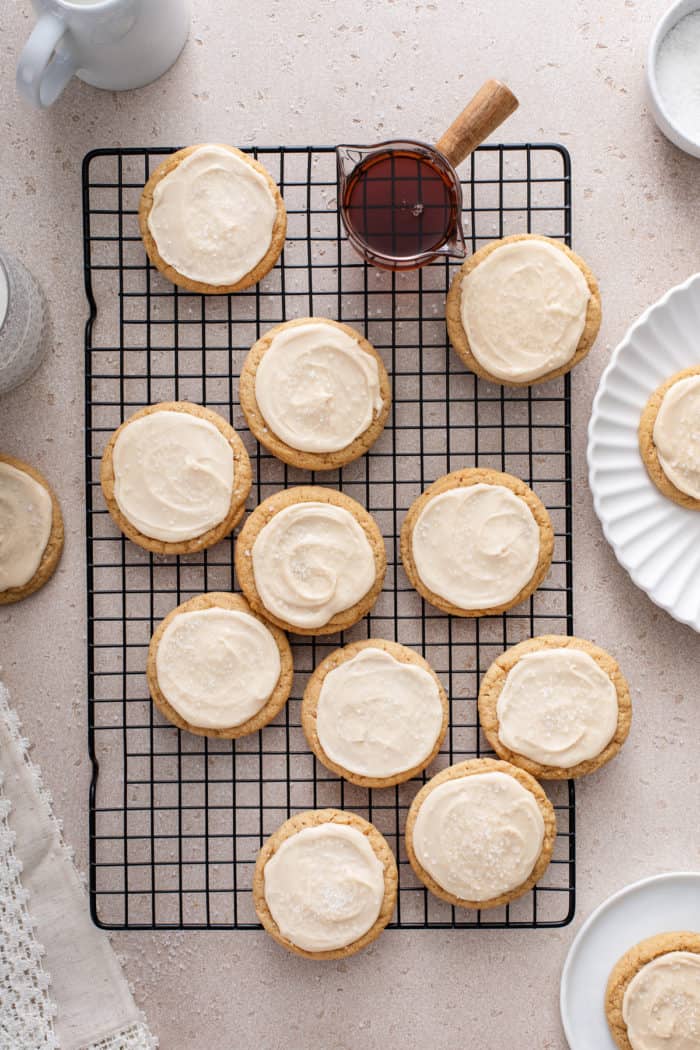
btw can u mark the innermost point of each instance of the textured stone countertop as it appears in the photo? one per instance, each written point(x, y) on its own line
point(274, 72)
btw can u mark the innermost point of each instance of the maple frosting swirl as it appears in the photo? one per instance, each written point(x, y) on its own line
point(316, 388)
point(311, 561)
point(557, 707)
point(173, 475)
point(479, 836)
point(26, 518)
point(476, 546)
point(212, 216)
point(677, 435)
point(378, 716)
point(324, 887)
point(217, 667)
point(523, 308)
point(661, 1004)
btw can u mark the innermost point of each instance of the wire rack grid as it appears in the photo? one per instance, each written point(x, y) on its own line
point(176, 820)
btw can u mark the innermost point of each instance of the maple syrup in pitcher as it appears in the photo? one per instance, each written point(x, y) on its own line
point(402, 204)
point(401, 201)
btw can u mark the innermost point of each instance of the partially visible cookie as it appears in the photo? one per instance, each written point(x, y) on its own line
point(669, 438)
point(530, 313)
point(560, 700)
point(379, 709)
point(653, 994)
point(315, 393)
point(480, 833)
point(212, 219)
point(325, 884)
point(31, 530)
point(175, 477)
point(477, 542)
point(216, 669)
point(311, 560)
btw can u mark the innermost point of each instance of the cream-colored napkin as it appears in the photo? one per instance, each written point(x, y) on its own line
point(60, 982)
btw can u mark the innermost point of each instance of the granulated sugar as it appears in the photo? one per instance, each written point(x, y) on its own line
point(678, 75)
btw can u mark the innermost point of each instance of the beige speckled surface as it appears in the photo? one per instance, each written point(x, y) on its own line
point(366, 70)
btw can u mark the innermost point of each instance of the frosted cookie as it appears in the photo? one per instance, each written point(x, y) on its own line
point(212, 219)
point(477, 542)
point(669, 438)
point(652, 1001)
point(175, 477)
point(523, 310)
point(216, 669)
point(31, 530)
point(311, 560)
point(375, 712)
point(325, 884)
point(480, 833)
point(315, 393)
point(556, 706)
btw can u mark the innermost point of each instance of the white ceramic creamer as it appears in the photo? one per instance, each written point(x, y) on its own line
point(111, 44)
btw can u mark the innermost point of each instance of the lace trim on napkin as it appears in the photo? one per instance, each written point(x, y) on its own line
point(26, 1008)
point(134, 1037)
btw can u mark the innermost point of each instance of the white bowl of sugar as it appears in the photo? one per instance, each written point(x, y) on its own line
point(673, 75)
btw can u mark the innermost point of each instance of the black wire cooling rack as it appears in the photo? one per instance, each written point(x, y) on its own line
point(176, 820)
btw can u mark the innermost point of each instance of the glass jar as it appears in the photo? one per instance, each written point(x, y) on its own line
point(24, 323)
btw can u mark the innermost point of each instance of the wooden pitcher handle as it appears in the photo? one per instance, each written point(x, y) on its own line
point(490, 106)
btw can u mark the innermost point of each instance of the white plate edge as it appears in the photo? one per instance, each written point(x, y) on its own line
point(593, 441)
point(602, 907)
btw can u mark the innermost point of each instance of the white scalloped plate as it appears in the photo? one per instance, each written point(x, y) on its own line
point(657, 541)
point(658, 904)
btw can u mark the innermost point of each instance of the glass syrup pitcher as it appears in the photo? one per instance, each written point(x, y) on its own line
point(401, 201)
